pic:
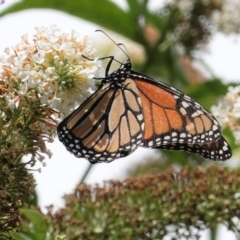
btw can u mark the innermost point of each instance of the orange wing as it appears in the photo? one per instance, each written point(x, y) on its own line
point(171, 116)
point(175, 121)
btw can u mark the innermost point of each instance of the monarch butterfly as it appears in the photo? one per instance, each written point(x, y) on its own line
point(130, 109)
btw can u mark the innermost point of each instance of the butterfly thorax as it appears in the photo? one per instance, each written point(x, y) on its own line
point(118, 77)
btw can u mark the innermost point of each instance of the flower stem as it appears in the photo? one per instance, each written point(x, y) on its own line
point(86, 173)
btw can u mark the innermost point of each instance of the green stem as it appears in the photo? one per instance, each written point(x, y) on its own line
point(213, 233)
point(86, 173)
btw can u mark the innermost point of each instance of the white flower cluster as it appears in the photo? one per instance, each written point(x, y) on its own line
point(40, 82)
point(227, 19)
point(57, 66)
point(228, 111)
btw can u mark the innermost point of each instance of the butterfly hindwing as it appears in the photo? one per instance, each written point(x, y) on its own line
point(219, 150)
point(108, 125)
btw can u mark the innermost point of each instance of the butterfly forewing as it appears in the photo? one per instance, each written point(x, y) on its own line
point(108, 125)
point(172, 117)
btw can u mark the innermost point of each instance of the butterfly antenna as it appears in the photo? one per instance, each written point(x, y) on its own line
point(118, 44)
point(122, 46)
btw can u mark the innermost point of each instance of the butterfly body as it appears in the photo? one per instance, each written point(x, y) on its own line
point(130, 109)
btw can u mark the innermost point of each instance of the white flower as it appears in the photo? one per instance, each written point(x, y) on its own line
point(55, 65)
point(41, 81)
point(227, 19)
point(228, 111)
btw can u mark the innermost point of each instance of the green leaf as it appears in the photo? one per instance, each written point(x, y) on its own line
point(124, 22)
point(38, 225)
point(134, 7)
point(18, 236)
point(104, 13)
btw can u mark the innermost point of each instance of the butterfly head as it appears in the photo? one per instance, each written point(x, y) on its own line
point(126, 66)
point(119, 76)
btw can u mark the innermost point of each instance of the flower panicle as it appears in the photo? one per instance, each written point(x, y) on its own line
point(42, 80)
